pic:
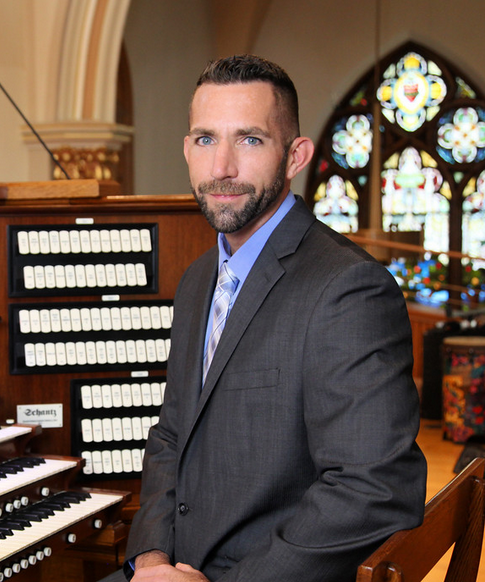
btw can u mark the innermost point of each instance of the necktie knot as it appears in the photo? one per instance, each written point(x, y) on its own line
point(225, 288)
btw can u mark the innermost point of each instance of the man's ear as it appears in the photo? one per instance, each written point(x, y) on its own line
point(299, 156)
point(186, 147)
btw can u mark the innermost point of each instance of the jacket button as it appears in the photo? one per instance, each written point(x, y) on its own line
point(183, 509)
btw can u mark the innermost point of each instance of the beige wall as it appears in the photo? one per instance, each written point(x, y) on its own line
point(325, 45)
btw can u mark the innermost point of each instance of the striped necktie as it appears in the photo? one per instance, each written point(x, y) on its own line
point(225, 287)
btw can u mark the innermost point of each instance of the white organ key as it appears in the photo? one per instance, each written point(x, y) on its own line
point(111, 355)
point(156, 394)
point(50, 276)
point(117, 429)
point(35, 474)
point(100, 275)
point(56, 325)
point(96, 319)
point(97, 396)
point(87, 430)
point(65, 242)
point(105, 241)
point(60, 275)
point(107, 462)
point(135, 240)
point(165, 316)
point(80, 276)
point(116, 318)
point(97, 430)
point(137, 460)
point(45, 321)
point(131, 352)
point(114, 235)
point(136, 394)
point(171, 313)
point(81, 356)
point(66, 325)
point(151, 350)
point(146, 320)
point(88, 467)
point(70, 273)
point(107, 397)
point(146, 423)
point(116, 396)
point(97, 463)
point(85, 238)
point(54, 243)
point(91, 280)
point(137, 428)
point(61, 356)
point(106, 324)
point(135, 317)
point(154, 420)
point(155, 317)
point(163, 385)
point(127, 428)
point(29, 352)
point(71, 353)
point(39, 277)
point(29, 280)
point(24, 321)
point(91, 355)
point(125, 318)
point(125, 240)
point(101, 352)
point(34, 245)
point(127, 461)
point(126, 395)
point(76, 319)
point(141, 276)
point(107, 429)
point(44, 243)
point(161, 351)
point(141, 351)
point(95, 239)
point(23, 242)
point(35, 326)
point(85, 314)
point(146, 394)
point(86, 397)
point(121, 352)
point(75, 241)
point(110, 275)
point(131, 275)
point(40, 354)
point(117, 461)
point(168, 343)
point(120, 275)
point(50, 354)
point(146, 240)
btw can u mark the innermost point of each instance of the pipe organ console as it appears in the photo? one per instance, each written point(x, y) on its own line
point(85, 317)
point(39, 513)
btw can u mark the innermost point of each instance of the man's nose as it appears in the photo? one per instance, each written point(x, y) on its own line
point(224, 164)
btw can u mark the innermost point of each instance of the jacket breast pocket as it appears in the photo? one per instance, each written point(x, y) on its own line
point(251, 379)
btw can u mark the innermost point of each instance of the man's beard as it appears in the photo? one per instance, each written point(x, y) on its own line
point(224, 218)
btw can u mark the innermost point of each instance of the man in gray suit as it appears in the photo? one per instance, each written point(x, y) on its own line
point(285, 452)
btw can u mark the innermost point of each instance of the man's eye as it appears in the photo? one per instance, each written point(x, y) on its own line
point(204, 140)
point(250, 140)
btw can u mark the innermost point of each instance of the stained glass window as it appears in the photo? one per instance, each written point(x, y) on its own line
point(429, 170)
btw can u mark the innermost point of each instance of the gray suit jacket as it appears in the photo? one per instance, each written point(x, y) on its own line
point(298, 458)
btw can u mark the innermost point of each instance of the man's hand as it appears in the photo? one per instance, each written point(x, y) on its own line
point(155, 566)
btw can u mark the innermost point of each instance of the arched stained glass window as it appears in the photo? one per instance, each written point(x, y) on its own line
point(429, 171)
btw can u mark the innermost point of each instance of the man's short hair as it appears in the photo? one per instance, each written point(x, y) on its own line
point(249, 68)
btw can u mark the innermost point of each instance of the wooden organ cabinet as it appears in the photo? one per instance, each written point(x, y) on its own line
point(86, 296)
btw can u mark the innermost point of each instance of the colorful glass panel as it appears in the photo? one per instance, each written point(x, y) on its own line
point(473, 221)
point(336, 204)
point(354, 142)
point(463, 135)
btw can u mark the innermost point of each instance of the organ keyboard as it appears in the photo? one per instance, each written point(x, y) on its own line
point(38, 513)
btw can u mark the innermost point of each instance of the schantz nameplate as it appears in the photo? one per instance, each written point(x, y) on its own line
point(47, 415)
